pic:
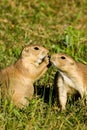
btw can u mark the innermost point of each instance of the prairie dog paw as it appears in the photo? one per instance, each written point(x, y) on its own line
point(46, 60)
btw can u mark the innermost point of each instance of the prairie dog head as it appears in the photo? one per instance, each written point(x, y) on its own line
point(63, 62)
point(34, 54)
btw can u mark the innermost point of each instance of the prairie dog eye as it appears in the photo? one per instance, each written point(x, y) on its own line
point(62, 57)
point(36, 48)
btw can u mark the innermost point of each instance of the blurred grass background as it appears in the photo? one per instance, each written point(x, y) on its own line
point(58, 25)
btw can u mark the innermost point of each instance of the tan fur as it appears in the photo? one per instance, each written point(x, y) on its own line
point(17, 80)
point(73, 76)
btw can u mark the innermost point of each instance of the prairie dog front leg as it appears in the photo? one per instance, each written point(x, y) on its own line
point(62, 95)
point(42, 68)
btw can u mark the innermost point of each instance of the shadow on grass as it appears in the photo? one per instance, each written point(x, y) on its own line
point(50, 94)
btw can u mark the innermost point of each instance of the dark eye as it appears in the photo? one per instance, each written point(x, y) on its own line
point(36, 48)
point(62, 57)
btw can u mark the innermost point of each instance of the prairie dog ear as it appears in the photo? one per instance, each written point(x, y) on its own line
point(25, 52)
point(72, 63)
point(26, 49)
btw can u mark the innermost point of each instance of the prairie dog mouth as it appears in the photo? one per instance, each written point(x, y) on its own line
point(44, 58)
point(41, 60)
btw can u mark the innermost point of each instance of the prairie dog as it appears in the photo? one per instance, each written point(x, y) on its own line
point(72, 77)
point(16, 81)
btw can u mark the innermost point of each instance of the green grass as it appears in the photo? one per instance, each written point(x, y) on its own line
point(60, 26)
